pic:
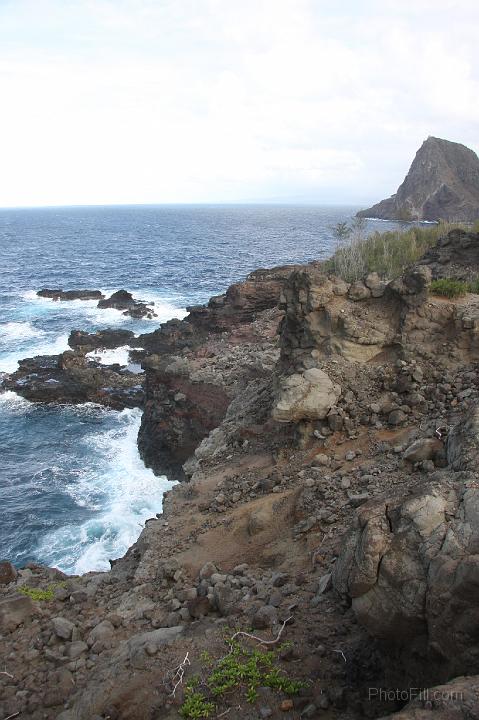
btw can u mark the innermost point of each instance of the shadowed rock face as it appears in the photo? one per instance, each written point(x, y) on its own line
point(411, 565)
point(442, 184)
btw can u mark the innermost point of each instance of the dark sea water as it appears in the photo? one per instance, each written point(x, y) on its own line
point(73, 490)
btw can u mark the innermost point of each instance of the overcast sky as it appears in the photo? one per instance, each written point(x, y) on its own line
point(146, 101)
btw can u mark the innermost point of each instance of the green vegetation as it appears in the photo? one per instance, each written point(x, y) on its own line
point(195, 706)
point(41, 594)
point(387, 253)
point(242, 669)
point(449, 288)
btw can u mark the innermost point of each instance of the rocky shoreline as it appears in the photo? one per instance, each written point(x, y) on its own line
point(327, 439)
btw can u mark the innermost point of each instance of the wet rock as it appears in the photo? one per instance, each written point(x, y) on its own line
point(70, 294)
point(124, 300)
point(103, 339)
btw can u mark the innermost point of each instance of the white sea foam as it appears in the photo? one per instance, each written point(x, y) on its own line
point(129, 492)
point(118, 355)
point(43, 345)
point(163, 309)
point(12, 403)
point(17, 331)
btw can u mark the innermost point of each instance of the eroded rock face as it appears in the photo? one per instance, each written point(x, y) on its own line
point(305, 396)
point(455, 700)
point(442, 184)
point(411, 565)
point(456, 255)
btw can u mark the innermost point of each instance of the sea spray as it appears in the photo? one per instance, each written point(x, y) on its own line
point(120, 493)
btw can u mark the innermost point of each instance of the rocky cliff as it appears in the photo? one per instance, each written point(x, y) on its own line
point(328, 522)
point(442, 184)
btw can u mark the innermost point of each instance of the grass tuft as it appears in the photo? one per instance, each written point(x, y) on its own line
point(449, 288)
point(387, 253)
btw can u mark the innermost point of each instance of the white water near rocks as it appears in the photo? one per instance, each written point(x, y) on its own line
point(73, 490)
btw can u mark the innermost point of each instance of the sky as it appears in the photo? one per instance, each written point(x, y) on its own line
point(228, 101)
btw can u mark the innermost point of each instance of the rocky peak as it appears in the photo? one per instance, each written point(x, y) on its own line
point(442, 184)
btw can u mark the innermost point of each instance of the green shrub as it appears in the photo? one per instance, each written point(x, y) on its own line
point(41, 594)
point(449, 288)
point(195, 706)
point(241, 669)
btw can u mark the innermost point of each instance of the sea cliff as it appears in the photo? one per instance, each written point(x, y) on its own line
point(326, 439)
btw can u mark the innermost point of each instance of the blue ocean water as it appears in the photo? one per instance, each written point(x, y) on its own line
point(73, 490)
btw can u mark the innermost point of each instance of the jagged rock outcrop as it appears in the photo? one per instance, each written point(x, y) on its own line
point(324, 318)
point(124, 301)
point(85, 342)
point(73, 378)
point(411, 566)
point(455, 255)
point(442, 184)
point(197, 366)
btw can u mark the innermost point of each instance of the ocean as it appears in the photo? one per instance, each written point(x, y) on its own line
point(74, 492)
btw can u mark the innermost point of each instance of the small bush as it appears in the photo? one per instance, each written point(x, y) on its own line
point(241, 669)
point(449, 288)
point(39, 593)
point(195, 706)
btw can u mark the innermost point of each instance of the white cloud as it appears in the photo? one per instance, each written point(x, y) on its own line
point(212, 100)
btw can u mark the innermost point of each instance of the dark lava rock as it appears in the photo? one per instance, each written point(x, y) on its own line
point(59, 294)
point(103, 339)
point(123, 300)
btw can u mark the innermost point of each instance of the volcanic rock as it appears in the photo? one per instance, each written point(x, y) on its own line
point(70, 294)
point(442, 184)
point(123, 300)
point(306, 396)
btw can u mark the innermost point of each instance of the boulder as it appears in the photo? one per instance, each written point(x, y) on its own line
point(8, 572)
point(305, 396)
point(62, 627)
point(14, 611)
point(359, 291)
point(375, 285)
point(423, 449)
point(139, 648)
point(410, 567)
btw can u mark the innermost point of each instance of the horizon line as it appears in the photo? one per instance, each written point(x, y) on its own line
point(247, 203)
